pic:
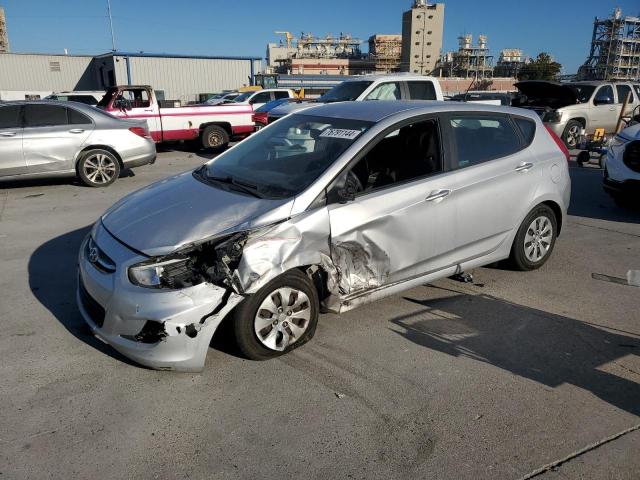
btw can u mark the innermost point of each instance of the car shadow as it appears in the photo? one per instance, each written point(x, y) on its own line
point(192, 147)
point(589, 200)
point(543, 347)
point(48, 182)
point(53, 279)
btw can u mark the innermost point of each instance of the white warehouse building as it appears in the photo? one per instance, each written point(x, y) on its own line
point(178, 77)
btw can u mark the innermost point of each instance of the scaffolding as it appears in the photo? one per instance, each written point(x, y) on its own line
point(615, 49)
point(342, 46)
point(509, 63)
point(4, 36)
point(386, 52)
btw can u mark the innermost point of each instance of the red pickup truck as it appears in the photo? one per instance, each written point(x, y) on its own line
point(213, 125)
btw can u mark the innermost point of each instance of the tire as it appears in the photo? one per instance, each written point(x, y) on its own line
point(526, 254)
point(571, 133)
point(98, 168)
point(215, 137)
point(582, 158)
point(261, 326)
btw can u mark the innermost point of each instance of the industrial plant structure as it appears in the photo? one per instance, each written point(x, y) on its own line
point(470, 61)
point(386, 52)
point(509, 63)
point(4, 36)
point(615, 49)
point(422, 29)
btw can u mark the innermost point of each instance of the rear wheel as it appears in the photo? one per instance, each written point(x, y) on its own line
point(279, 317)
point(571, 134)
point(98, 168)
point(535, 239)
point(215, 137)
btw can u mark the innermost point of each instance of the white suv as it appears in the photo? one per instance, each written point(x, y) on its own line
point(371, 87)
point(622, 170)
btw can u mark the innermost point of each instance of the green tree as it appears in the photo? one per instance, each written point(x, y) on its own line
point(543, 67)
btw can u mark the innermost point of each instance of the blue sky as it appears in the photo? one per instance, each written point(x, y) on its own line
point(562, 28)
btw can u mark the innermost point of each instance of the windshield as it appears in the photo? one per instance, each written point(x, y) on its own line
point(345, 92)
point(583, 92)
point(243, 97)
point(107, 98)
point(284, 159)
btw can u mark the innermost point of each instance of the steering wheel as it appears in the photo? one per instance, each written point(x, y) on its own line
point(352, 179)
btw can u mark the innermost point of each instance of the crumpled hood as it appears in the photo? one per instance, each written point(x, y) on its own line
point(540, 89)
point(181, 210)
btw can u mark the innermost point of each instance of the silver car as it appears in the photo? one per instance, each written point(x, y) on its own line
point(57, 139)
point(324, 210)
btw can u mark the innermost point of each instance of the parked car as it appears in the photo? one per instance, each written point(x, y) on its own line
point(371, 87)
point(622, 168)
point(567, 108)
point(88, 97)
point(213, 125)
point(259, 97)
point(260, 116)
point(221, 98)
point(329, 209)
point(57, 139)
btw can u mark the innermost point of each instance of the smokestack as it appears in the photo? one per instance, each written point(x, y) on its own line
point(4, 36)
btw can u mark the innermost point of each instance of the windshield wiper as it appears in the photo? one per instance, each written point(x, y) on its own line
point(247, 188)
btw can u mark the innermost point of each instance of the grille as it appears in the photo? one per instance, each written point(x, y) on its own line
point(93, 308)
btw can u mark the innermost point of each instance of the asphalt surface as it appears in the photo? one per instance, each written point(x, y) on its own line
point(498, 379)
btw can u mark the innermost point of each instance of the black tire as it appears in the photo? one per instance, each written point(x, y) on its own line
point(582, 158)
point(215, 137)
point(571, 133)
point(98, 168)
point(621, 200)
point(245, 317)
point(519, 258)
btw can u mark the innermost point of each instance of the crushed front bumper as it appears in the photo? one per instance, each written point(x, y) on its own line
point(161, 329)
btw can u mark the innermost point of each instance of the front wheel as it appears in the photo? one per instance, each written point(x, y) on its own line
point(535, 239)
point(281, 316)
point(571, 134)
point(98, 168)
point(215, 137)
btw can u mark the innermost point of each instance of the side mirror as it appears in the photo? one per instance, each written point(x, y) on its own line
point(602, 100)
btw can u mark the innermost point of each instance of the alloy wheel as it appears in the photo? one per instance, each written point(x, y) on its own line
point(572, 136)
point(99, 168)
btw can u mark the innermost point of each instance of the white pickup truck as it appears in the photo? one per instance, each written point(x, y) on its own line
point(213, 125)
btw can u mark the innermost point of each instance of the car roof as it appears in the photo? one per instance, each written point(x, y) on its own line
point(386, 76)
point(375, 111)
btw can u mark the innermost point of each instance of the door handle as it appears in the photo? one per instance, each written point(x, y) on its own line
point(525, 167)
point(7, 134)
point(438, 194)
point(76, 130)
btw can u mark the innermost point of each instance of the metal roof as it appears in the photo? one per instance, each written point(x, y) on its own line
point(175, 55)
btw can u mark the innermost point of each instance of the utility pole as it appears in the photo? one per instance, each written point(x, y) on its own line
point(113, 38)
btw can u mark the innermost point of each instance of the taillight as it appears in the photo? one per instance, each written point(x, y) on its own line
point(140, 131)
point(559, 143)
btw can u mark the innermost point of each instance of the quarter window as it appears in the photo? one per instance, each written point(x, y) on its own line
point(527, 128)
point(421, 91)
point(9, 116)
point(44, 116)
point(78, 118)
point(480, 138)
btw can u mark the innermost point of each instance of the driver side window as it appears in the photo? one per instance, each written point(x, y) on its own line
point(407, 153)
point(605, 92)
point(137, 98)
point(385, 91)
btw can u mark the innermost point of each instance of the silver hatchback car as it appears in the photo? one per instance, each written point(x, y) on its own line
point(57, 139)
point(324, 210)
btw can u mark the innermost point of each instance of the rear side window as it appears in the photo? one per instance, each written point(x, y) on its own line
point(623, 91)
point(9, 116)
point(421, 91)
point(78, 118)
point(480, 138)
point(527, 128)
point(281, 95)
point(44, 115)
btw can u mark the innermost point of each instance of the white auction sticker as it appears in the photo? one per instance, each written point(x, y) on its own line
point(340, 133)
